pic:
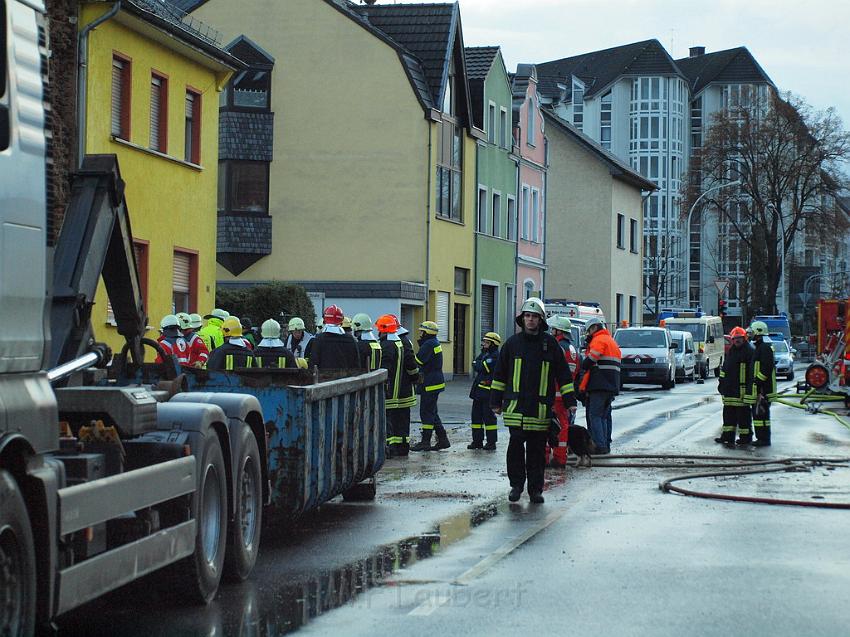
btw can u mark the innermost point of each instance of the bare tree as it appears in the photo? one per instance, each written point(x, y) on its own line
point(787, 158)
point(662, 266)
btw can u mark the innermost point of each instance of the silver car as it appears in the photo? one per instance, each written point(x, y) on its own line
point(647, 356)
point(783, 357)
point(684, 354)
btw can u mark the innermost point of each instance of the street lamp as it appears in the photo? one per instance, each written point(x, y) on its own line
point(737, 182)
point(781, 256)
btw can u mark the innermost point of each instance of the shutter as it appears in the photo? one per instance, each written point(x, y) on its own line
point(488, 307)
point(443, 316)
point(117, 95)
point(156, 101)
point(182, 272)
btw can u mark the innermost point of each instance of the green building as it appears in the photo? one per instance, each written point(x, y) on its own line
point(496, 207)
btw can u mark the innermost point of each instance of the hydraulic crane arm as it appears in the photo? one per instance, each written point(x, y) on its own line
point(95, 241)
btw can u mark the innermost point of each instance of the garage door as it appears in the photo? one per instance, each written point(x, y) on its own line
point(488, 308)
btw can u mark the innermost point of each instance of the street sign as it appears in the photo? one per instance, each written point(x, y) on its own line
point(804, 298)
point(722, 285)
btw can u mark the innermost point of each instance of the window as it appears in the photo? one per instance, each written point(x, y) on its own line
point(535, 215)
point(578, 104)
point(497, 215)
point(159, 113)
point(632, 310)
point(532, 123)
point(184, 281)
point(449, 156)
point(192, 145)
point(489, 308)
point(243, 186)
point(461, 281)
point(443, 316)
point(633, 235)
point(121, 78)
point(605, 121)
point(481, 224)
point(696, 123)
point(528, 288)
point(619, 309)
point(503, 129)
point(510, 307)
point(250, 90)
point(511, 218)
point(621, 231)
point(525, 231)
point(491, 123)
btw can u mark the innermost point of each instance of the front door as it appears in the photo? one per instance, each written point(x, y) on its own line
point(460, 339)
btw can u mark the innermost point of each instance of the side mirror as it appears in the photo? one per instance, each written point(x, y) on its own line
point(674, 346)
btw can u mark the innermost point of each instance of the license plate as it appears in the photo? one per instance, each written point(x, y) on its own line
point(638, 374)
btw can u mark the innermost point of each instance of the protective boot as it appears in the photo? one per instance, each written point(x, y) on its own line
point(422, 445)
point(442, 441)
point(515, 493)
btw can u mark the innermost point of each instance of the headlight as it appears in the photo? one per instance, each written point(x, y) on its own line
point(661, 360)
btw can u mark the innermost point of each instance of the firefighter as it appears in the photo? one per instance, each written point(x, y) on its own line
point(198, 352)
point(172, 341)
point(298, 338)
point(270, 351)
point(367, 344)
point(403, 335)
point(560, 327)
point(432, 382)
point(600, 382)
point(531, 365)
point(483, 418)
point(212, 333)
point(764, 384)
point(248, 332)
point(346, 325)
point(735, 386)
point(234, 352)
point(333, 348)
point(401, 374)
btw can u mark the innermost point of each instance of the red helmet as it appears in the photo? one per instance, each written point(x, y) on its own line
point(333, 315)
point(387, 324)
point(738, 331)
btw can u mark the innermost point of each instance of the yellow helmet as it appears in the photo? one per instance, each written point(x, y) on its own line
point(346, 323)
point(231, 326)
point(429, 327)
point(493, 338)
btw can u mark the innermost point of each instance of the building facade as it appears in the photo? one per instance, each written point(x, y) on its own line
point(530, 140)
point(594, 225)
point(152, 87)
point(496, 204)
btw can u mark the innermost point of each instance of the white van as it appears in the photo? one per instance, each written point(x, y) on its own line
point(708, 339)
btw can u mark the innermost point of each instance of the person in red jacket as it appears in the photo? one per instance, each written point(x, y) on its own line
point(198, 352)
point(560, 327)
point(172, 341)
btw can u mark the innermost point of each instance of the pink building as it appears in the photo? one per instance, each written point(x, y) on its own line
point(531, 184)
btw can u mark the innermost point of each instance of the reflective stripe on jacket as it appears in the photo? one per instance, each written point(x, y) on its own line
point(483, 367)
point(764, 371)
point(430, 361)
point(212, 334)
point(230, 356)
point(370, 354)
point(401, 372)
point(736, 384)
point(602, 364)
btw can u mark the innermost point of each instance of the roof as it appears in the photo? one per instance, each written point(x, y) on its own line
point(731, 66)
point(616, 166)
point(598, 69)
point(525, 73)
point(479, 61)
point(250, 52)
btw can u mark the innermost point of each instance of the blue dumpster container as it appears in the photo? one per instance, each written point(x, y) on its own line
point(323, 438)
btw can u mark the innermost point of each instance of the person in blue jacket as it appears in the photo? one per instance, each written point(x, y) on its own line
point(483, 418)
point(432, 382)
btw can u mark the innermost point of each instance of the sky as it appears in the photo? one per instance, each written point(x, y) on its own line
point(798, 44)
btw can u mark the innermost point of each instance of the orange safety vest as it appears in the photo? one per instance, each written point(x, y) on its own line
point(605, 373)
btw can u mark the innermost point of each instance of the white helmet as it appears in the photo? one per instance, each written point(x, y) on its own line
point(560, 323)
point(270, 329)
point(296, 323)
point(169, 320)
point(535, 305)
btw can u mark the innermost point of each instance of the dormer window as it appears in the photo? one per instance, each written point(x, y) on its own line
point(249, 89)
point(578, 103)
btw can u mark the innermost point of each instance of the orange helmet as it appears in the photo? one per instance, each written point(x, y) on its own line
point(738, 331)
point(333, 315)
point(387, 324)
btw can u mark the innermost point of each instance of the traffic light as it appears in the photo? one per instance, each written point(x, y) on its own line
point(721, 308)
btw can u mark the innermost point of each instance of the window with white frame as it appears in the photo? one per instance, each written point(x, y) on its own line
point(578, 103)
point(531, 135)
point(491, 123)
point(496, 226)
point(632, 310)
point(481, 221)
point(535, 215)
point(526, 202)
point(621, 231)
point(619, 309)
point(605, 112)
point(511, 218)
point(504, 133)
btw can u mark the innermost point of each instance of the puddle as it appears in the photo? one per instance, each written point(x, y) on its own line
point(821, 439)
point(664, 417)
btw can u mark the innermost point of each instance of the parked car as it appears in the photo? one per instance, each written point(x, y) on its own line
point(647, 356)
point(783, 358)
point(683, 353)
point(706, 331)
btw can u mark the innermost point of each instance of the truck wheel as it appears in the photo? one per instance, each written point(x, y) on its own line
point(703, 371)
point(203, 569)
point(243, 542)
point(17, 562)
point(362, 492)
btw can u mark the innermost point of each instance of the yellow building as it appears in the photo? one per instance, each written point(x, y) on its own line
point(367, 119)
point(152, 85)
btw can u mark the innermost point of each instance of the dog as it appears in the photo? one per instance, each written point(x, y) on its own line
point(581, 444)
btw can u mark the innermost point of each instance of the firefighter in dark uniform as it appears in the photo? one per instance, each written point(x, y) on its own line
point(333, 348)
point(401, 374)
point(432, 382)
point(367, 344)
point(235, 352)
point(483, 418)
point(735, 386)
point(764, 383)
point(270, 351)
point(531, 365)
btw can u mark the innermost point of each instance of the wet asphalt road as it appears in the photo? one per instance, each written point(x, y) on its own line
point(441, 550)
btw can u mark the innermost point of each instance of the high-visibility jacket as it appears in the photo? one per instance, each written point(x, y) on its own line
point(430, 361)
point(401, 373)
point(736, 377)
point(483, 367)
point(764, 371)
point(299, 348)
point(198, 352)
point(234, 354)
point(274, 358)
point(176, 346)
point(529, 369)
point(601, 364)
point(370, 354)
point(212, 333)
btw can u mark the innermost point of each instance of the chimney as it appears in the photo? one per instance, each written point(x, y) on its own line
point(696, 51)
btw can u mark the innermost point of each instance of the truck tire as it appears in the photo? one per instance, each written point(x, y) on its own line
point(243, 541)
point(200, 573)
point(17, 562)
point(361, 492)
